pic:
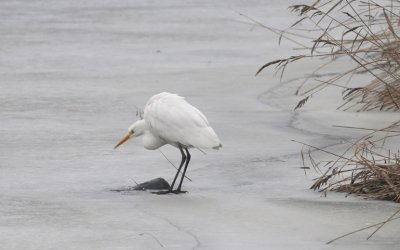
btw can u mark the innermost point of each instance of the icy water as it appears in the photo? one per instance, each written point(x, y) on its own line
point(72, 77)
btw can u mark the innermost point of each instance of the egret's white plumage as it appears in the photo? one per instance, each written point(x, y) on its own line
point(170, 119)
point(174, 120)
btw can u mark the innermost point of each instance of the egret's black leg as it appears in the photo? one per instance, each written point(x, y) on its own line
point(177, 173)
point(178, 190)
point(180, 167)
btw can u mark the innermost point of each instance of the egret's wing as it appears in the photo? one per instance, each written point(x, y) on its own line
point(176, 121)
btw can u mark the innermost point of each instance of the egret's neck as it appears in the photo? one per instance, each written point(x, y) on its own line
point(139, 128)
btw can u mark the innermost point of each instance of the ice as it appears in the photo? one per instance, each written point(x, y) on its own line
point(73, 74)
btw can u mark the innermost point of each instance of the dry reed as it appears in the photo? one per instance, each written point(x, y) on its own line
point(365, 168)
point(367, 33)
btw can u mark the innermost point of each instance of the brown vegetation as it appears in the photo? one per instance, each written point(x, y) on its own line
point(367, 33)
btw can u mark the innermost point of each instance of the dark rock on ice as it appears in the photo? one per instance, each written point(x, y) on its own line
point(155, 184)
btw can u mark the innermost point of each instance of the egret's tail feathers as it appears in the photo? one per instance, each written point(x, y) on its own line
point(218, 147)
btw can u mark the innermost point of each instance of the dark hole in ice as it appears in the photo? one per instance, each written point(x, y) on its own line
point(155, 184)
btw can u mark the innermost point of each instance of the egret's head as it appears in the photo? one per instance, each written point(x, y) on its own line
point(135, 130)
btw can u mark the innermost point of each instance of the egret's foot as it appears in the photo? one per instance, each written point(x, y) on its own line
point(163, 192)
point(179, 192)
point(170, 192)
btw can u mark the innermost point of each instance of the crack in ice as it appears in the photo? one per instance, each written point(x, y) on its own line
point(193, 236)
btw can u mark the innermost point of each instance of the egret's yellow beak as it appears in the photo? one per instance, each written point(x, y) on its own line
point(124, 140)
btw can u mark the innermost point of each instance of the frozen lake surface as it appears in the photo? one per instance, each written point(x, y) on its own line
point(74, 73)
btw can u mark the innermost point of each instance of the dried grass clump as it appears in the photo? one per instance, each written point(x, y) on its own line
point(364, 169)
point(365, 32)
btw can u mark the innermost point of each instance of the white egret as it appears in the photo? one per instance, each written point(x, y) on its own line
point(169, 119)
